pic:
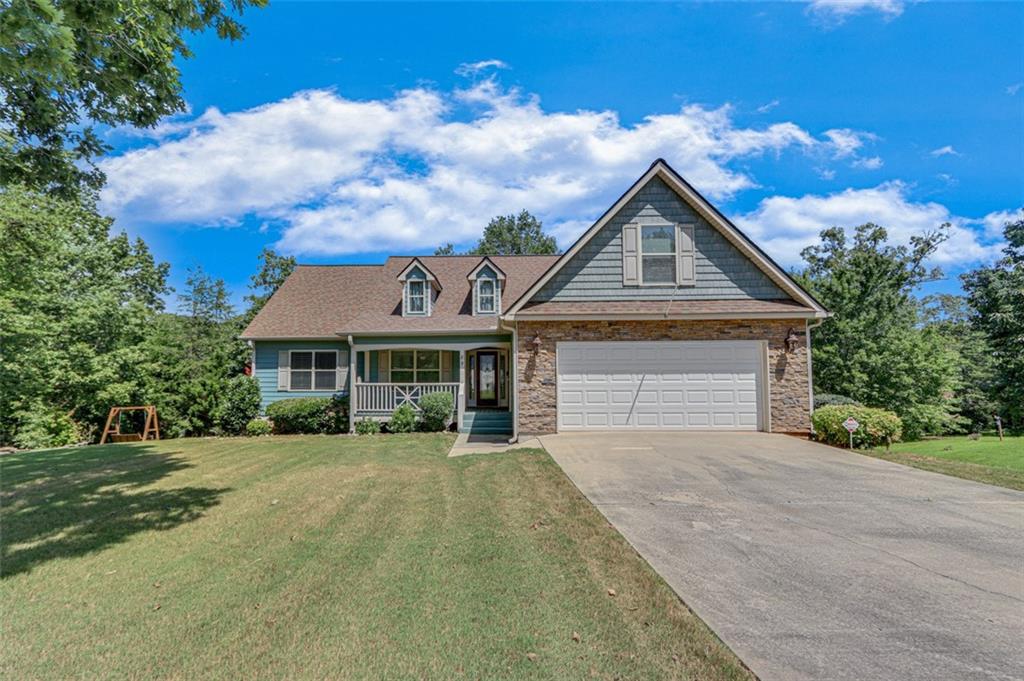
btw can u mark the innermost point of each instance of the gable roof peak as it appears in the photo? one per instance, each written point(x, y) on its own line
point(417, 263)
point(485, 262)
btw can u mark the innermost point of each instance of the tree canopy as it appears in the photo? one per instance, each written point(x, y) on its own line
point(521, 234)
point(69, 65)
point(996, 298)
point(873, 348)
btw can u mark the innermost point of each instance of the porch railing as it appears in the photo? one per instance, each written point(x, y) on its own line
point(386, 397)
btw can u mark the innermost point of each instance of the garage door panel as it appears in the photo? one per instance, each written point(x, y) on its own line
point(659, 384)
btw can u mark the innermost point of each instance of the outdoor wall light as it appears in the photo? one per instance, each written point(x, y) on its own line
point(536, 343)
point(792, 341)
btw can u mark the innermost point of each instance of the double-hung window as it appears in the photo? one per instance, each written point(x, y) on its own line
point(314, 370)
point(415, 366)
point(486, 295)
point(416, 298)
point(658, 254)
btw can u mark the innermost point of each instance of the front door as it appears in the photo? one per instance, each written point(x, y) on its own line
point(487, 378)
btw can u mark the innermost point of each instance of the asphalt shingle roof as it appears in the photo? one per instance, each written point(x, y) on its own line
point(323, 301)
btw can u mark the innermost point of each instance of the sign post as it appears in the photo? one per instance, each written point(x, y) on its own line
point(851, 424)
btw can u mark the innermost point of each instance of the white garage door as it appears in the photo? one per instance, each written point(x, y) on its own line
point(698, 385)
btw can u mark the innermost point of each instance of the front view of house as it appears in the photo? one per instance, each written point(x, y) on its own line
point(663, 315)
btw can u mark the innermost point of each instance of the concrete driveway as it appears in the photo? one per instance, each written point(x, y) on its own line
point(815, 563)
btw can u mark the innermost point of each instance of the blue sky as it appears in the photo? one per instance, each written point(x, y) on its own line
point(344, 132)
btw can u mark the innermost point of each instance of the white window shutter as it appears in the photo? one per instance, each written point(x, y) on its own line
point(630, 255)
point(687, 262)
point(497, 296)
point(283, 370)
point(342, 369)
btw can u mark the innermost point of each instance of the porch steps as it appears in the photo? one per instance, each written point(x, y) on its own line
point(487, 422)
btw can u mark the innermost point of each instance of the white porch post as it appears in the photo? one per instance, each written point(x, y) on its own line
point(461, 407)
point(352, 392)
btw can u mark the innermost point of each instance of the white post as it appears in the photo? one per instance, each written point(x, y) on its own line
point(352, 402)
point(460, 407)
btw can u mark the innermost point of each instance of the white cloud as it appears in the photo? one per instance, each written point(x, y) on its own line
point(995, 221)
point(872, 163)
point(947, 150)
point(847, 142)
point(473, 68)
point(765, 108)
point(837, 11)
point(1014, 89)
point(786, 225)
point(422, 167)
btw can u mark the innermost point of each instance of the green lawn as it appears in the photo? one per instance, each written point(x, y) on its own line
point(985, 460)
point(326, 557)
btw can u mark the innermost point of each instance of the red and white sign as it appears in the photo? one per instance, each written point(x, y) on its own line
point(851, 424)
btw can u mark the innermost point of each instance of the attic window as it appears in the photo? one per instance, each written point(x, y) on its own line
point(486, 295)
point(658, 250)
point(416, 297)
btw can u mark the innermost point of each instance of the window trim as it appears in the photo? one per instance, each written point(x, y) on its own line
point(312, 370)
point(495, 295)
point(415, 365)
point(407, 306)
point(675, 255)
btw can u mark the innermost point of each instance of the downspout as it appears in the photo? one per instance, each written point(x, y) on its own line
point(810, 366)
point(514, 370)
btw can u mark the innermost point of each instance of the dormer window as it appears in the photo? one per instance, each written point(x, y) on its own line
point(486, 280)
point(486, 295)
point(416, 298)
point(419, 286)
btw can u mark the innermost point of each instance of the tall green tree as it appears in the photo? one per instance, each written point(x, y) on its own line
point(75, 305)
point(273, 270)
point(873, 349)
point(996, 297)
point(521, 234)
point(68, 65)
point(193, 354)
point(976, 400)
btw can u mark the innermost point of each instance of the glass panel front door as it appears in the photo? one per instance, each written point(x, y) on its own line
point(487, 379)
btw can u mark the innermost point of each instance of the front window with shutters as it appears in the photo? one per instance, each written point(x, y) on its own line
point(658, 254)
point(314, 370)
point(415, 366)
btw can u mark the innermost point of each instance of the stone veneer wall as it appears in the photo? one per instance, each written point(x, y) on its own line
point(787, 372)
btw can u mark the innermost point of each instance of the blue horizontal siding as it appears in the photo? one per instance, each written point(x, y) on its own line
point(265, 369)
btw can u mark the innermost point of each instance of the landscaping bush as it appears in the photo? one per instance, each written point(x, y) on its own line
point(43, 427)
point(258, 427)
point(826, 399)
point(877, 426)
point(367, 426)
point(309, 415)
point(239, 404)
point(437, 411)
point(403, 419)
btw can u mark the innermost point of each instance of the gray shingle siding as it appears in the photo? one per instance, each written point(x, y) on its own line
point(595, 273)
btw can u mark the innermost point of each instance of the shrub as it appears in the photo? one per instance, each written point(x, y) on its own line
point(239, 404)
point(403, 419)
point(367, 426)
point(437, 411)
point(44, 427)
point(877, 426)
point(309, 415)
point(258, 427)
point(826, 399)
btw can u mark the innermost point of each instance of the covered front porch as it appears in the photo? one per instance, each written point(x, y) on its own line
point(476, 371)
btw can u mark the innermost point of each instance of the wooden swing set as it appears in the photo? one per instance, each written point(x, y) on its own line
point(113, 427)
